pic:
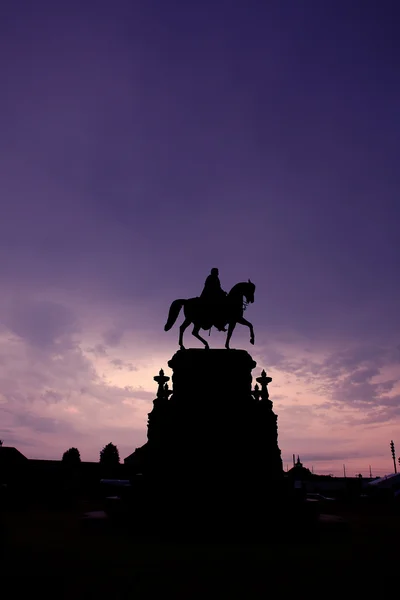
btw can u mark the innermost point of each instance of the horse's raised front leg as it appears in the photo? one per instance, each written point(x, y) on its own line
point(231, 327)
point(243, 321)
point(195, 332)
point(182, 329)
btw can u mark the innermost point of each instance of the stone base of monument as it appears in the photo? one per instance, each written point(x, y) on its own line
point(212, 464)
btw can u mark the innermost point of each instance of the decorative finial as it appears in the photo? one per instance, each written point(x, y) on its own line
point(161, 379)
point(264, 381)
point(256, 392)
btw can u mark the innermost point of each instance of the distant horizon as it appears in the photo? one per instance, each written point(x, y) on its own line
point(335, 471)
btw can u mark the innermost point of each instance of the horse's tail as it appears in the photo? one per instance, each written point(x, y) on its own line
point(173, 314)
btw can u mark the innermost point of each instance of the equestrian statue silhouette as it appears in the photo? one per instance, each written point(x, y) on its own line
point(213, 308)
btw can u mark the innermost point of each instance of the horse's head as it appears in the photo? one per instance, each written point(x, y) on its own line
point(249, 293)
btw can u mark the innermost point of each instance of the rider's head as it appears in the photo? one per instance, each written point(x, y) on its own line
point(214, 271)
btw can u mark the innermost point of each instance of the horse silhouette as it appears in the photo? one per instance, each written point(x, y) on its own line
point(198, 313)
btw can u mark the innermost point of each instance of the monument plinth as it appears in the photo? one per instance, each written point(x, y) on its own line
point(214, 433)
point(214, 376)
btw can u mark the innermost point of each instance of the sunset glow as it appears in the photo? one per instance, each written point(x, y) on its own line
point(146, 146)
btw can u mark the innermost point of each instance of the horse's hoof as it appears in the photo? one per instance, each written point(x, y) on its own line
point(183, 348)
point(252, 342)
point(206, 347)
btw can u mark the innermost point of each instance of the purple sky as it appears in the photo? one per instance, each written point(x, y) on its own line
point(143, 143)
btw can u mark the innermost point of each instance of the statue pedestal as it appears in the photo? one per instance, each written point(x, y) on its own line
point(211, 465)
point(212, 447)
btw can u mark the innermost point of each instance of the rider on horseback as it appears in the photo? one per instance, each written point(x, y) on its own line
point(214, 297)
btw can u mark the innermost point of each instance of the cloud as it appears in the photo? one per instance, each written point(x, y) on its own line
point(69, 385)
point(113, 336)
point(75, 390)
point(120, 364)
point(51, 397)
point(360, 378)
point(50, 387)
point(40, 323)
point(39, 424)
point(98, 350)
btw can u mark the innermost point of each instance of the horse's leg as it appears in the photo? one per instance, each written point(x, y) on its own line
point(243, 321)
point(182, 329)
point(195, 332)
point(231, 327)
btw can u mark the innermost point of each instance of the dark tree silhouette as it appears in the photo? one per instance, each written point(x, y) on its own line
point(109, 455)
point(71, 457)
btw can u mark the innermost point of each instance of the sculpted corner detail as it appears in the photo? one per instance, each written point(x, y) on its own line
point(214, 307)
